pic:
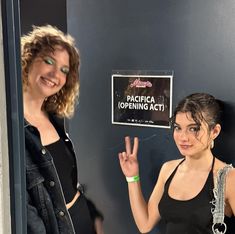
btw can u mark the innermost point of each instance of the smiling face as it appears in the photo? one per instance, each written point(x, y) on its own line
point(48, 73)
point(191, 139)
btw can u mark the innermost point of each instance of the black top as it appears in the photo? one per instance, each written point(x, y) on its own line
point(66, 168)
point(192, 216)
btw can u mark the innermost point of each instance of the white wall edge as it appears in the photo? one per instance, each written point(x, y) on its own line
point(5, 215)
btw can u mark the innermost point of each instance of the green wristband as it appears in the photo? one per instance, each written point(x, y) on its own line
point(133, 178)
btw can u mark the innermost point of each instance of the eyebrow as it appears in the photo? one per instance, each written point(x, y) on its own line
point(190, 125)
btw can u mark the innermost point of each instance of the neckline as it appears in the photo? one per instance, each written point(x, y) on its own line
point(202, 189)
point(53, 143)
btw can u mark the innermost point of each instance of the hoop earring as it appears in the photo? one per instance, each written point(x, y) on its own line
point(212, 144)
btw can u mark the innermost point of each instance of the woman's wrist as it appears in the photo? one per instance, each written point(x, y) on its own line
point(131, 179)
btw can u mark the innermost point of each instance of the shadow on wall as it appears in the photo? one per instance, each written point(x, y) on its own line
point(224, 145)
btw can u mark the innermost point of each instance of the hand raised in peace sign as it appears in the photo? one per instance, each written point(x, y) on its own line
point(128, 159)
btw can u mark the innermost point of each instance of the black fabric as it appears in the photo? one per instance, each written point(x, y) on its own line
point(65, 166)
point(81, 217)
point(81, 214)
point(191, 216)
point(95, 213)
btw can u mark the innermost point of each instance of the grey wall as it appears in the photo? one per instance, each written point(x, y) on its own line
point(196, 39)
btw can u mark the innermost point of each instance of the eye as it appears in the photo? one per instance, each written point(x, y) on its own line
point(65, 70)
point(49, 60)
point(176, 127)
point(194, 129)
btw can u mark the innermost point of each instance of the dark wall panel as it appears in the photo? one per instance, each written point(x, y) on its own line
point(43, 12)
point(194, 38)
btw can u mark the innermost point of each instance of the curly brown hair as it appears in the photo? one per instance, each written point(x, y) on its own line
point(42, 40)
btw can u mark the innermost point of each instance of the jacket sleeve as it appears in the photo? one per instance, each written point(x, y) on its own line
point(35, 224)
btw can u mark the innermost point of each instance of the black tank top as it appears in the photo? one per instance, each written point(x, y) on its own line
point(66, 168)
point(192, 216)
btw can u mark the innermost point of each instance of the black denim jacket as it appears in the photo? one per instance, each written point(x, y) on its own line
point(46, 207)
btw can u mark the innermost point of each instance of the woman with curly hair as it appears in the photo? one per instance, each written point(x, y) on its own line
point(50, 72)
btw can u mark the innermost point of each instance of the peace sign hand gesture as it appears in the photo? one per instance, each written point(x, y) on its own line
point(128, 160)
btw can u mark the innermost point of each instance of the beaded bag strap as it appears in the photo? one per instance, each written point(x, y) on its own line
point(219, 226)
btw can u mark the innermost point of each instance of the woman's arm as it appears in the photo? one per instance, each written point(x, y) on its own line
point(146, 215)
point(99, 225)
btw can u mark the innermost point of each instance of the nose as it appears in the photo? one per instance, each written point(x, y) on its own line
point(183, 135)
point(55, 72)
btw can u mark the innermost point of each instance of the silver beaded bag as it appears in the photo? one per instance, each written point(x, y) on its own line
point(219, 226)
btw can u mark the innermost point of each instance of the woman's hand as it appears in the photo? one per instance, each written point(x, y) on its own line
point(128, 160)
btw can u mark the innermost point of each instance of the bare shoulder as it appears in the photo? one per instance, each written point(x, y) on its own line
point(220, 165)
point(231, 176)
point(171, 164)
point(230, 188)
point(168, 167)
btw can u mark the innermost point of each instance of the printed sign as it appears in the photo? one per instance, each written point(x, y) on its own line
point(142, 100)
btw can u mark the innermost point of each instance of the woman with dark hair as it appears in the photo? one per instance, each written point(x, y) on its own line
point(187, 195)
point(50, 72)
